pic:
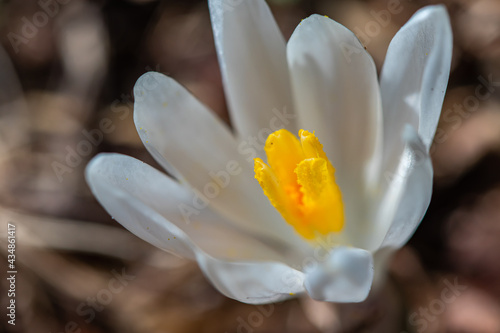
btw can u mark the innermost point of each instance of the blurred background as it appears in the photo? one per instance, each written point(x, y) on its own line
point(68, 64)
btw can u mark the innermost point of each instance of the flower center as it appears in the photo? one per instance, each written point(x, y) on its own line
point(299, 182)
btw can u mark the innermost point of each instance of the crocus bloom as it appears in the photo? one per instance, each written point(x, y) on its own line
point(327, 214)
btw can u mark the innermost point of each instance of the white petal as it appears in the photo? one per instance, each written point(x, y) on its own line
point(414, 78)
point(246, 281)
point(408, 195)
point(415, 183)
point(252, 58)
point(345, 276)
point(163, 111)
point(336, 92)
point(162, 212)
point(253, 283)
point(133, 214)
point(202, 152)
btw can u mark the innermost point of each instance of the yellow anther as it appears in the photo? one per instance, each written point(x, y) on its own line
point(299, 181)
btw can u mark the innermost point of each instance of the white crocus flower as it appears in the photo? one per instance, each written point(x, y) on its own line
point(353, 200)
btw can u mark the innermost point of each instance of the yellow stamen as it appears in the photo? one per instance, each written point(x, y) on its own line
point(299, 181)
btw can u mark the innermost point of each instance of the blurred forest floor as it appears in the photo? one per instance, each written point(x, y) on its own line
point(80, 66)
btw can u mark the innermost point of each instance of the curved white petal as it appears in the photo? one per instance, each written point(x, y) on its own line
point(337, 95)
point(202, 152)
point(253, 283)
point(136, 203)
point(251, 51)
point(345, 276)
point(168, 215)
point(416, 191)
point(407, 197)
point(167, 117)
point(414, 78)
point(135, 215)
